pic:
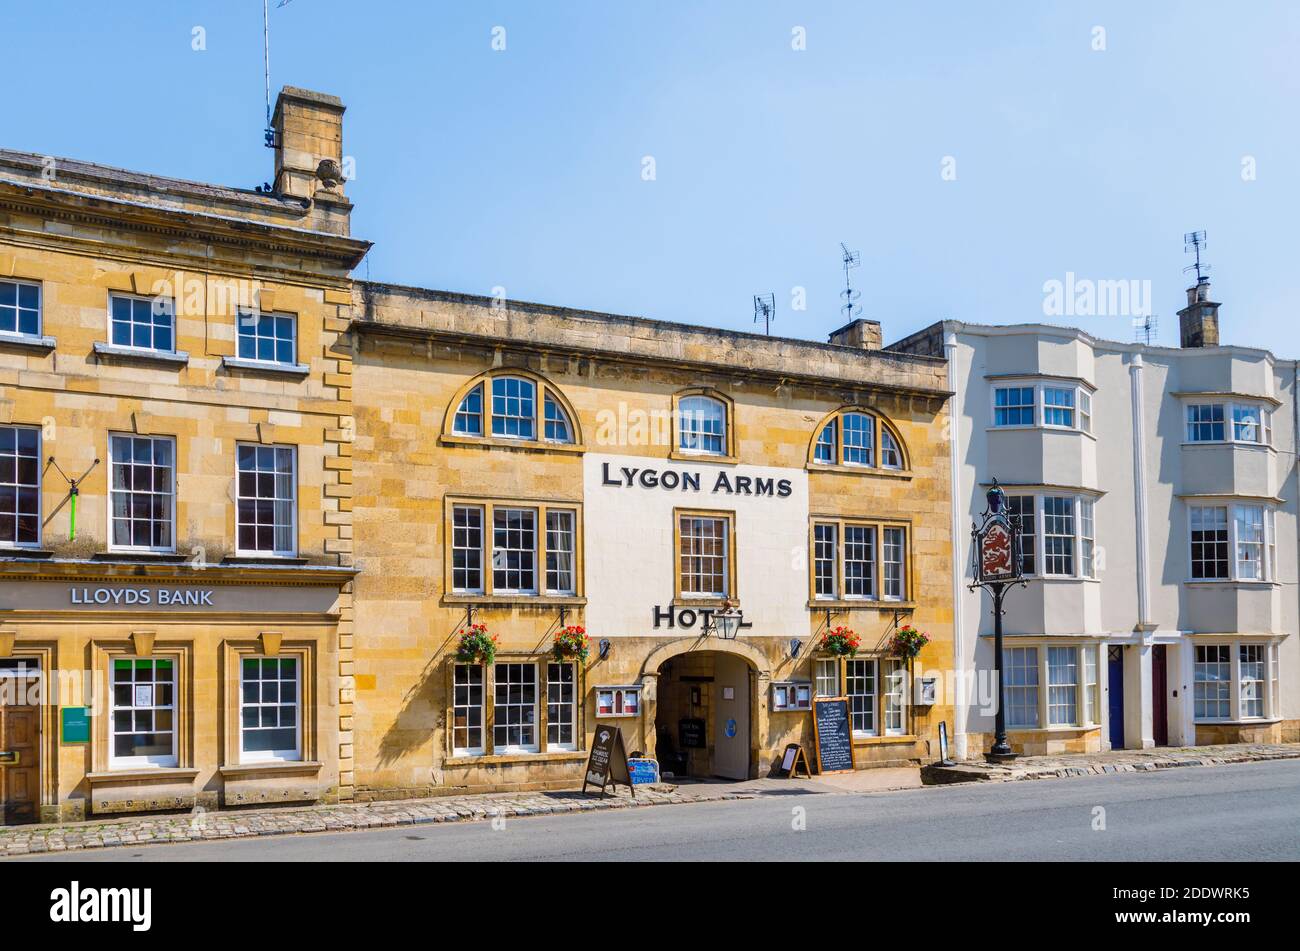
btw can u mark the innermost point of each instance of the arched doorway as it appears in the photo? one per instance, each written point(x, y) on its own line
point(706, 712)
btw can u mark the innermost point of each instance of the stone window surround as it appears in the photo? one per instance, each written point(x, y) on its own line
point(819, 603)
point(880, 424)
point(730, 575)
point(728, 454)
point(544, 389)
point(543, 752)
point(487, 596)
point(270, 644)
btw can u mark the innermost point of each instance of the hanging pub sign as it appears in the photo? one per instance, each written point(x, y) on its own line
point(996, 561)
point(607, 763)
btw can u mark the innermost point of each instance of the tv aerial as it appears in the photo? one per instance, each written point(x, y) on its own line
point(1193, 242)
point(765, 310)
point(850, 260)
point(1146, 329)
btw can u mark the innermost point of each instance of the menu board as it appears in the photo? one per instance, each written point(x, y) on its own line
point(834, 735)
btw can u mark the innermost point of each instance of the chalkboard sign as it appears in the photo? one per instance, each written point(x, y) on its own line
point(834, 735)
point(793, 760)
point(692, 733)
point(607, 762)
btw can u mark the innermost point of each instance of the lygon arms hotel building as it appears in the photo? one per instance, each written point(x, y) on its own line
point(193, 398)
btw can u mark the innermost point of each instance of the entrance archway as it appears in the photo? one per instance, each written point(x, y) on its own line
point(704, 709)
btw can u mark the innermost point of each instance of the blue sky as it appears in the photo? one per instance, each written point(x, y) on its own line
point(523, 168)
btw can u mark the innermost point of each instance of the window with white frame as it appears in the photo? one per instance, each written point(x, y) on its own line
point(142, 492)
point(467, 548)
point(824, 557)
point(1237, 422)
point(1213, 682)
point(270, 709)
point(825, 450)
point(142, 725)
point(1069, 672)
point(702, 425)
point(268, 338)
point(514, 708)
point(826, 677)
point(1024, 506)
point(467, 709)
point(514, 402)
point(561, 706)
point(1058, 535)
point(514, 550)
point(1062, 686)
point(20, 486)
point(266, 513)
point(560, 544)
point(1087, 538)
point(556, 421)
point(859, 561)
point(1058, 406)
point(895, 697)
point(1014, 406)
point(1232, 542)
point(1235, 681)
point(856, 560)
point(468, 420)
point(509, 549)
point(514, 407)
point(1048, 404)
point(890, 456)
point(142, 323)
point(1251, 676)
point(704, 556)
point(892, 552)
point(858, 430)
point(20, 308)
point(860, 688)
point(1022, 687)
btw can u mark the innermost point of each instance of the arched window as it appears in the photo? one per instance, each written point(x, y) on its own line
point(857, 439)
point(702, 425)
point(513, 406)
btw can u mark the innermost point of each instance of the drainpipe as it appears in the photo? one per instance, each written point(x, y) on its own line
point(960, 701)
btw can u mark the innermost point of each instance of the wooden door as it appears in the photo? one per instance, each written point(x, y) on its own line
point(20, 772)
point(1160, 695)
point(1115, 675)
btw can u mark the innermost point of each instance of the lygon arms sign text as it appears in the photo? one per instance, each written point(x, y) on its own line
point(691, 481)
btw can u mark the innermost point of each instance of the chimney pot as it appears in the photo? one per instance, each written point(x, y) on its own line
point(1198, 322)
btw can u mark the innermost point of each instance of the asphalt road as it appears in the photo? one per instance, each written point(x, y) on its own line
point(1249, 812)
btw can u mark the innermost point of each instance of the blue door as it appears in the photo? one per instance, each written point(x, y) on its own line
point(1115, 680)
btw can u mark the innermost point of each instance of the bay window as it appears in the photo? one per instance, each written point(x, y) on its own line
point(1057, 534)
point(1069, 672)
point(1232, 542)
point(1049, 403)
point(1235, 680)
point(1231, 422)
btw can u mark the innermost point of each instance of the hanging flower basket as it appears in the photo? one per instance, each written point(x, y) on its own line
point(476, 645)
point(907, 642)
point(842, 642)
point(570, 643)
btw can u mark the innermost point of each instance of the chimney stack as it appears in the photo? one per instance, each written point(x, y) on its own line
point(861, 334)
point(308, 130)
point(1198, 322)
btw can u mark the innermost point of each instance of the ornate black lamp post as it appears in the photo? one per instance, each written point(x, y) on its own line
point(996, 566)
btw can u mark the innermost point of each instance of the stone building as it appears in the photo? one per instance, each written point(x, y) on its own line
point(530, 468)
point(1157, 487)
point(175, 482)
point(191, 371)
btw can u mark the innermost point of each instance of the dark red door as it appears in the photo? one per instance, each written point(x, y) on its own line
point(1160, 695)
